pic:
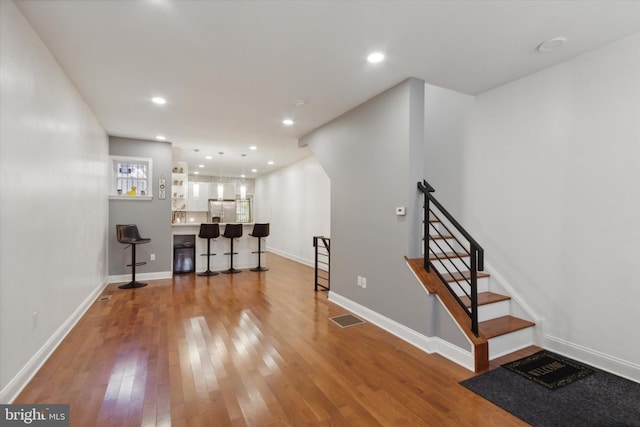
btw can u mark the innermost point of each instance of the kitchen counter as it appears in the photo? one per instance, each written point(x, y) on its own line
point(244, 246)
point(197, 224)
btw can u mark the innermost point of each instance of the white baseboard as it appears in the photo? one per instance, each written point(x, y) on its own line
point(292, 257)
point(22, 378)
point(594, 358)
point(427, 344)
point(140, 276)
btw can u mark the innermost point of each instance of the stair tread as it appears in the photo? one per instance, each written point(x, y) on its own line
point(450, 255)
point(457, 277)
point(485, 298)
point(502, 325)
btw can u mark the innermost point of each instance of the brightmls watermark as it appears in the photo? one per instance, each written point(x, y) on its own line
point(34, 415)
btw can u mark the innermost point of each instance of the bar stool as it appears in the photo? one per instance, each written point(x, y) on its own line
point(259, 231)
point(209, 231)
point(232, 231)
point(129, 235)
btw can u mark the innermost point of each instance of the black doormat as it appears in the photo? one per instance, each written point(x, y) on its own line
point(549, 369)
point(598, 400)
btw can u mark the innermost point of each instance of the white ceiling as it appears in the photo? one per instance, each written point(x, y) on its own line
point(232, 70)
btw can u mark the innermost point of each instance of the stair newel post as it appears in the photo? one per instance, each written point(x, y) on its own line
point(426, 232)
point(474, 289)
point(315, 270)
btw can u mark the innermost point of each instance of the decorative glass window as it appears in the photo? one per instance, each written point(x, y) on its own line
point(131, 176)
point(243, 210)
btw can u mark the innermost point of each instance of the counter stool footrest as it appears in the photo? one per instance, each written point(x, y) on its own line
point(137, 264)
point(229, 253)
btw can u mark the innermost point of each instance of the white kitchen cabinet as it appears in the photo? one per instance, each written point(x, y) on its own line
point(201, 202)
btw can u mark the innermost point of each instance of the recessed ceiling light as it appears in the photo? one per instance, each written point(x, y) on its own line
point(254, 170)
point(287, 122)
point(243, 176)
point(270, 162)
point(200, 166)
point(161, 137)
point(253, 147)
point(208, 157)
point(158, 100)
point(196, 173)
point(551, 44)
point(375, 57)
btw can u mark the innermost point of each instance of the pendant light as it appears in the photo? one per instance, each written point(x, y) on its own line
point(243, 187)
point(196, 186)
point(220, 186)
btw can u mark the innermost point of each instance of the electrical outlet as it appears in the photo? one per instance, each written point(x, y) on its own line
point(153, 257)
point(34, 317)
point(359, 282)
point(363, 282)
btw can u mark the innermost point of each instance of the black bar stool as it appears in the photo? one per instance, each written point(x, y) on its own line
point(259, 231)
point(129, 235)
point(232, 231)
point(209, 231)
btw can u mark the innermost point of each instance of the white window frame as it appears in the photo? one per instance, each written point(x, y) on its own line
point(148, 180)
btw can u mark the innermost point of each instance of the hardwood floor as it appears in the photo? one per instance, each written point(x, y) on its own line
point(253, 349)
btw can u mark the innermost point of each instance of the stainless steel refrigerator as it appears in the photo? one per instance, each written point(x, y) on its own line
point(222, 211)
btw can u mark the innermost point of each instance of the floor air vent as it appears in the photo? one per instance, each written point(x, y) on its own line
point(346, 320)
point(104, 298)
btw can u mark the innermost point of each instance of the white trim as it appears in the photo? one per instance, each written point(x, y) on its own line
point(606, 362)
point(427, 344)
point(142, 276)
point(22, 378)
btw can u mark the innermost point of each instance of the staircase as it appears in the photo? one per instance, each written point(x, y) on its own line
point(453, 272)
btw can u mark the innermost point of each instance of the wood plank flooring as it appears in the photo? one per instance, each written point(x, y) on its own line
point(251, 349)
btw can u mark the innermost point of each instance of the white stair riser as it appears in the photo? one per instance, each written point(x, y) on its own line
point(443, 264)
point(483, 286)
point(494, 310)
point(508, 343)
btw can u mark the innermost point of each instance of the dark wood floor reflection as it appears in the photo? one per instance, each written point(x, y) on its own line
point(251, 349)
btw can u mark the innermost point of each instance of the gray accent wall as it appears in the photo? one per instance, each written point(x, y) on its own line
point(374, 156)
point(153, 217)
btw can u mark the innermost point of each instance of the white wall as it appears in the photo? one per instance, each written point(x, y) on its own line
point(445, 130)
point(296, 201)
point(53, 205)
point(553, 194)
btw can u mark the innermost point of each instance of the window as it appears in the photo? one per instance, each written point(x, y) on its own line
point(243, 210)
point(131, 177)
